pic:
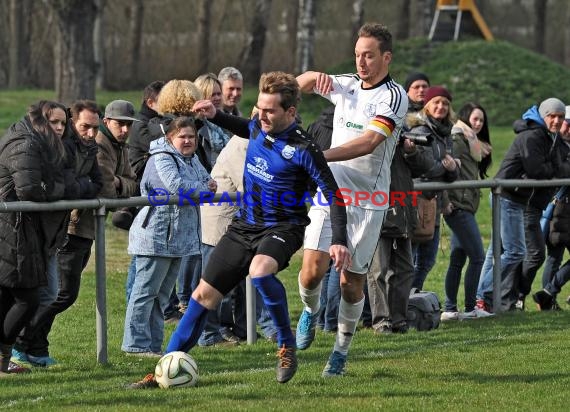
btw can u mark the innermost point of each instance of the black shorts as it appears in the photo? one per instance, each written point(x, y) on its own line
point(230, 260)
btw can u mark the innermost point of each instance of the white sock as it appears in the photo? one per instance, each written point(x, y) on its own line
point(311, 298)
point(348, 317)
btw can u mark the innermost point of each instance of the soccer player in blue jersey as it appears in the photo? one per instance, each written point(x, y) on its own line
point(281, 161)
point(369, 113)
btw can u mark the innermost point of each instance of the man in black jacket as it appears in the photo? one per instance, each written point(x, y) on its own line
point(534, 154)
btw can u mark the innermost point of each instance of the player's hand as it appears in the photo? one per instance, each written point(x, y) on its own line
point(204, 109)
point(323, 83)
point(341, 257)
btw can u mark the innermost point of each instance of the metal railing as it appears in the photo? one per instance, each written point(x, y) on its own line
point(101, 206)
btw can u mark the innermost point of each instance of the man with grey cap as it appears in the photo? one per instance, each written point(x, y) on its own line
point(113, 158)
point(534, 154)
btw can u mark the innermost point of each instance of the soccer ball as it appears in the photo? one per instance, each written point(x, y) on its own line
point(176, 370)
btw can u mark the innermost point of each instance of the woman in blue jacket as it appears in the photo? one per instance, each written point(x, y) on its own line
point(161, 235)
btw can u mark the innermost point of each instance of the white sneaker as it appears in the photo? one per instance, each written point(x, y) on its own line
point(445, 316)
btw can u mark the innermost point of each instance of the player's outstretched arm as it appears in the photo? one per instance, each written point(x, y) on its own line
point(309, 81)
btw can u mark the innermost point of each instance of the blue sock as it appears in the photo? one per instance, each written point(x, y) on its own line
point(275, 299)
point(189, 328)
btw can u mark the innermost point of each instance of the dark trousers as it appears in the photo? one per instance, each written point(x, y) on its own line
point(17, 307)
point(390, 280)
point(71, 260)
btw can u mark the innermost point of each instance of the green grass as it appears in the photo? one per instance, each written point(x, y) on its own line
point(512, 362)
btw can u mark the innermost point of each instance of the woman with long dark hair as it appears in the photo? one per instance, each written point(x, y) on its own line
point(472, 146)
point(31, 168)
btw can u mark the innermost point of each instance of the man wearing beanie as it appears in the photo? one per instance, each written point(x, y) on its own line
point(534, 154)
point(416, 85)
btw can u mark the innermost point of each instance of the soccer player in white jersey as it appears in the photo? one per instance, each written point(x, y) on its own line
point(369, 113)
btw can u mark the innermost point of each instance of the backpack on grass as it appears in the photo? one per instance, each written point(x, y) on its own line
point(424, 310)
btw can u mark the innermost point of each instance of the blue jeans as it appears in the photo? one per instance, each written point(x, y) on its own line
point(535, 250)
point(330, 301)
point(425, 255)
point(131, 272)
point(188, 277)
point(514, 248)
point(465, 243)
point(144, 321)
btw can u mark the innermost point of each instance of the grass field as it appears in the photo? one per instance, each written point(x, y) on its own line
point(512, 362)
point(515, 361)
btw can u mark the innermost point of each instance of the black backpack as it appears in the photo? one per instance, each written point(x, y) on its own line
point(424, 310)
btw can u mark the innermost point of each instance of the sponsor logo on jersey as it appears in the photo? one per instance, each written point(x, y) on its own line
point(259, 169)
point(355, 126)
point(288, 152)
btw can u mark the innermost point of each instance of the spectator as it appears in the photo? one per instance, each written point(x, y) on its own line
point(534, 154)
point(471, 144)
point(73, 255)
point(232, 88)
point(416, 86)
point(554, 276)
point(139, 145)
point(175, 99)
point(160, 236)
point(32, 165)
point(391, 273)
point(435, 121)
point(112, 156)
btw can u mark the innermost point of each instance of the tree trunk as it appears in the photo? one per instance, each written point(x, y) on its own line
point(305, 36)
point(204, 27)
point(75, 62)
point(99, 45)
point(136, 12)
point(356, 21)
point(539, 25)
point(18, 46)
point(404, 20)
point(252, 54)
point(566, 39)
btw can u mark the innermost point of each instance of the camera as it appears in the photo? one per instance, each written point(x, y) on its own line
point(421, 139)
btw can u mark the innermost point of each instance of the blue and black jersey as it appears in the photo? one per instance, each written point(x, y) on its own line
point(278, 171)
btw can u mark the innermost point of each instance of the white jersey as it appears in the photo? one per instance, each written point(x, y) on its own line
point(380, 109)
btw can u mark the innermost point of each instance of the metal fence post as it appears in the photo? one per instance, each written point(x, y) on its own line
point(496, 239)
point(100, 285)
point(251, 320)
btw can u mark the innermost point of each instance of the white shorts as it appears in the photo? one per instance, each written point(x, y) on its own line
point(363, 230)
